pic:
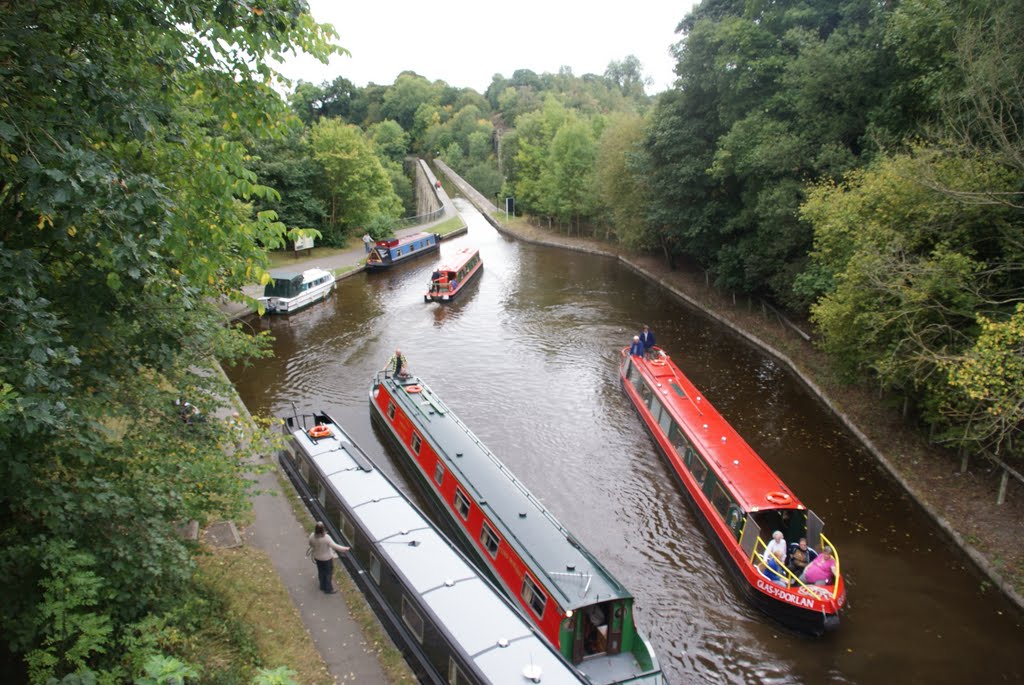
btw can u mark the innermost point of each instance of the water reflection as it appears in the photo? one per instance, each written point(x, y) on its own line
point(527, 359)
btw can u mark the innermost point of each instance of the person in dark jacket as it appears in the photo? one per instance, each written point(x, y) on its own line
point(637, 348)
point(647, 339)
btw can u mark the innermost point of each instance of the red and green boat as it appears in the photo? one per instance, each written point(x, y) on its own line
point(582, 610)
point(738, 499)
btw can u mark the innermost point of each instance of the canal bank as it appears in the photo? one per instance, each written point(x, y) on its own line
point(963, 505)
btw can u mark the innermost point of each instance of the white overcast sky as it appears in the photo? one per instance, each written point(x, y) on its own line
point(465, 43)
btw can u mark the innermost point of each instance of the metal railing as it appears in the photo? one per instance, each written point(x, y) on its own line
point(792, 580)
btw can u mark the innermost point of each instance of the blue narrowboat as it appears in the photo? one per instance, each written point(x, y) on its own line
point(387, 253)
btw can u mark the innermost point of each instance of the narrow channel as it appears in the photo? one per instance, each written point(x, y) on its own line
point(527, 358)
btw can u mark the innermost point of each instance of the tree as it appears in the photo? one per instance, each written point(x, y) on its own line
point(355, 184)
point(573, 154)
point(628, 77)
point(123, 212)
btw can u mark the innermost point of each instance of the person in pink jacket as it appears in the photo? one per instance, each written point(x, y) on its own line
point(822, 570)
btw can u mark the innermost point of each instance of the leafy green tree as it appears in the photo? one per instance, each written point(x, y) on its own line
point(355, 183)
point(390, 140)
point(621, 179)
point(123, 212)
point(287, 165)
point(408, 93)
point(573, 155)
point(627, 75)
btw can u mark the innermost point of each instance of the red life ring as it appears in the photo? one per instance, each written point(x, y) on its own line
point(776, 497)
point(413, 388)
point(319, 431)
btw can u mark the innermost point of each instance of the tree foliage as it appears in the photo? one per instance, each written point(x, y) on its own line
point(123, 211)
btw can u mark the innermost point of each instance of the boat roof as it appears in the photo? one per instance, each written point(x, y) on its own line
point(549, 550)
point(494, 633)
point(455, 261)
point(392, 242)
point(735, 462)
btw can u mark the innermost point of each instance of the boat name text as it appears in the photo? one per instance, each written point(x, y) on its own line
point(773, 589)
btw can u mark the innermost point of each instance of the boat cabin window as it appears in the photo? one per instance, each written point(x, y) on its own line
point(416, 443)
point(678, 439)
point(412, 618)
point(656, 408)
point(321, 493)
point(534, 596)
point(490, 540)
point(455, 675)
point(634, 375)
point(665, 421)
point(347, 529)
point(698, 468)
point(391, 411)
point(646, 394)
point(461, 504)
point(439, 473)
point(375, 568)
point(720, 499)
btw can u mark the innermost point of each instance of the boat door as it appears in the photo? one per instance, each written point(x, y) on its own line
point(599, 630)
point(814, 528)
point(751, 531)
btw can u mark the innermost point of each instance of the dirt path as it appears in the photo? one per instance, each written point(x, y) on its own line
point(963, 504)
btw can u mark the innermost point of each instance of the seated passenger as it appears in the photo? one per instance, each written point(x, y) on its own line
point(774, 571)
point(776, 544)
point(637, 348)
point(799, 556)
point(821, 571)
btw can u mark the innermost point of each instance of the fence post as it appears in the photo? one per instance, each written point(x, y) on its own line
point(1001, 497)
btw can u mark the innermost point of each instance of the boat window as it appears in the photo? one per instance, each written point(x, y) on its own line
point(734, 519)
point(698, 468)
point(304, 470)
point(646, 394)
point(677, 389)
point(347, 529)
point(635, 376)
point(721, 499)
point(412, 618)
point(655, 406)
point(665, 421)
point(375, 568)
point(455, 675)
point(678, 439)
point(416, 443)
point(391, 410)
point(439, 473)
point(490, 540)
point(461, 504)
point(534, 596)
point(321, 493)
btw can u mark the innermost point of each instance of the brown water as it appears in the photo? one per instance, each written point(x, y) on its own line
point(528, 359)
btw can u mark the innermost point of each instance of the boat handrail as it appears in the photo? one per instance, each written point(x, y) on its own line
point(757, 560)
point(578, 575)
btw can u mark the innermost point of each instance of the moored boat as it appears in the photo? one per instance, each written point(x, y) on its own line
point(585, 613)
point(453, 275)
point(288, 292)
point(451, 621)
point(738, 499)
point(386, 253)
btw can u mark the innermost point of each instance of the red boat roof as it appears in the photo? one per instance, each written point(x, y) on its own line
point(455, 262)
point(735, 462)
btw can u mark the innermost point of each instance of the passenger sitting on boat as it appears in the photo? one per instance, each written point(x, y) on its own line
point(398, 365)
point(799, 556)
point(821, 571)
point(774, 570)
point(637, 348)
point(777, 546)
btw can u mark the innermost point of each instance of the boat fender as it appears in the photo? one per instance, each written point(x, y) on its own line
point(451, 287)
point(319, 431)
point(413, 388)
point(777, 497)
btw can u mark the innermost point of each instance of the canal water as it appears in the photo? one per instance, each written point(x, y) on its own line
point(528, 360)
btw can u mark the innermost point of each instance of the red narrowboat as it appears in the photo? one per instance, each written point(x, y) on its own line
point(738, 499)
point(582, 610)
point(386, 253)
point(452, 276)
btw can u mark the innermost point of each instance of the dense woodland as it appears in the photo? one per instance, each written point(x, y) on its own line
point(856, 162)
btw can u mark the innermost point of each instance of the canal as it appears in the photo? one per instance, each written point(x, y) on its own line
point(527, 359)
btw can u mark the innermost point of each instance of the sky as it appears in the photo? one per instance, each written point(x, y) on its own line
point(465, 43)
